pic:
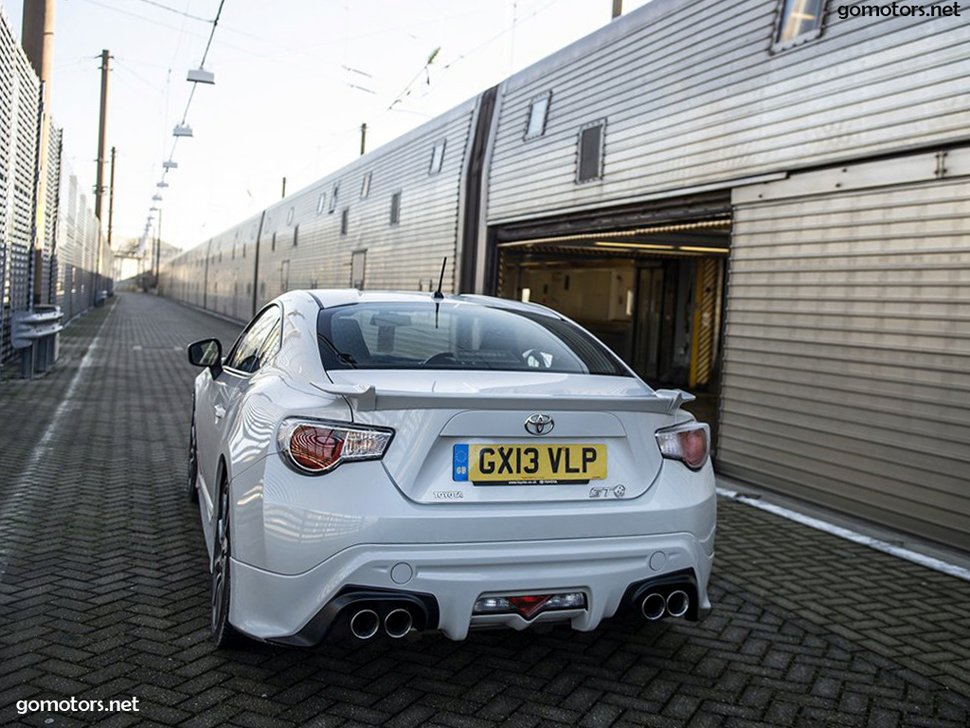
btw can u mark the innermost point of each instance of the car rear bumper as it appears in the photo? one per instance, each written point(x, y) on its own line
point(453, 576)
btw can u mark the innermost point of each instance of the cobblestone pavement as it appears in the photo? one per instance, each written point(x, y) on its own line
point(104, 595)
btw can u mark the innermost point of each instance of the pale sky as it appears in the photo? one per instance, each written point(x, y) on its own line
point(294, 81)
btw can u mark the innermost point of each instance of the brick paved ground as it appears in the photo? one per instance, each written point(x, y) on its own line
point(104, 594)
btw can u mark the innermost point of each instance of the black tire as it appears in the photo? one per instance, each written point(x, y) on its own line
point(223, 634)
point(191, 489)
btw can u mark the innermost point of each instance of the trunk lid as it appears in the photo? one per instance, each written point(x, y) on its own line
point(462, 437)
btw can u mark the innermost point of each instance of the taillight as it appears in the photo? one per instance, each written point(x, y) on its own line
point(318, 446)
point(688, 443)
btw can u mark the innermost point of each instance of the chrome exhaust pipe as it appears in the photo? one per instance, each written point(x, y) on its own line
point(653, 606)
point(677, 603)
point(398, 623)
point(365, 624)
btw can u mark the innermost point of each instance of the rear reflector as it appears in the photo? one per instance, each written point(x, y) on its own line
point(531, 604)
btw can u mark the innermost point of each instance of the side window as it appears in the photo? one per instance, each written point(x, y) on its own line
point(358, 262)
point(245, 355)
point(437, 157)
point(538, 110)
point(271, 344)
point(799, 20)
point(589, 156)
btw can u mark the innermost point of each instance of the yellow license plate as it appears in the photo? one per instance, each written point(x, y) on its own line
point(529, 464)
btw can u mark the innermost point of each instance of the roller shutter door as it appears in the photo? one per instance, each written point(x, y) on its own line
point(847, 342)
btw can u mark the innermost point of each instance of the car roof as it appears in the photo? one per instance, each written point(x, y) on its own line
point(329, 298)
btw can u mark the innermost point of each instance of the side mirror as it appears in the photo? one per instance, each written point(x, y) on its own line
point(207, 353)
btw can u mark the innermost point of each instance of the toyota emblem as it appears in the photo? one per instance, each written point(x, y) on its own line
point(538, 424)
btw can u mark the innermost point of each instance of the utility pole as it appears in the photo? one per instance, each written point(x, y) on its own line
point(284, 188)
point(37, 33)
point(617, 8)
point(363, 138)
point(111, 196)
point(158, 249)
point(102, 133)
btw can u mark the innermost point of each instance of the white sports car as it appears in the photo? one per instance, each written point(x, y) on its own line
point(376, 463)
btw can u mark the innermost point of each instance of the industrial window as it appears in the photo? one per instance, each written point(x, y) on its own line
point(538, 110)
point(365, 186)
point(272, 245)
point(590, 153)
point(395, 208)
point(344, 219)
point(296, 235)
point(437, 157)
point(333, 197)
point(289, 217)
point(799, 20)
point(321, 202)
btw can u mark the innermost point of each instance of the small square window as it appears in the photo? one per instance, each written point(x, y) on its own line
point(321, 202)
point(590, 152)
point(365, 186)
point(538, 110)
point(395, 208)
point(289, 217)
point(800, 20)
point(437, 157)
point(333, 198)
point(344, 220)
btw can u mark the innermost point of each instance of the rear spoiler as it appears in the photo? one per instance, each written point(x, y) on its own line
point(368, 399)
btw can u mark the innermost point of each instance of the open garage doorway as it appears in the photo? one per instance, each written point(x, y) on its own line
point(653, 292)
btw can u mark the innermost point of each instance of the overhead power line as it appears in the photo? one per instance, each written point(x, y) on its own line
point(176, 11)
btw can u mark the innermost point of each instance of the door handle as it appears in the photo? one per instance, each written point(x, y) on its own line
point(220, 411)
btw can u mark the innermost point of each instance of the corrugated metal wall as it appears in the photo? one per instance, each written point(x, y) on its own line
point(692, 95)
point(847, 350)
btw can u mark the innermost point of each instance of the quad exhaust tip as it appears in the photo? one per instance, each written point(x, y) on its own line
point(398, 623)
point(364, 624)
point(653, 606)
point(677, 603)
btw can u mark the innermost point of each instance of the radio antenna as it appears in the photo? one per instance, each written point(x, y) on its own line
point(438, 295)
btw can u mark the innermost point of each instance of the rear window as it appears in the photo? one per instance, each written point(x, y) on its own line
point(453, 335)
